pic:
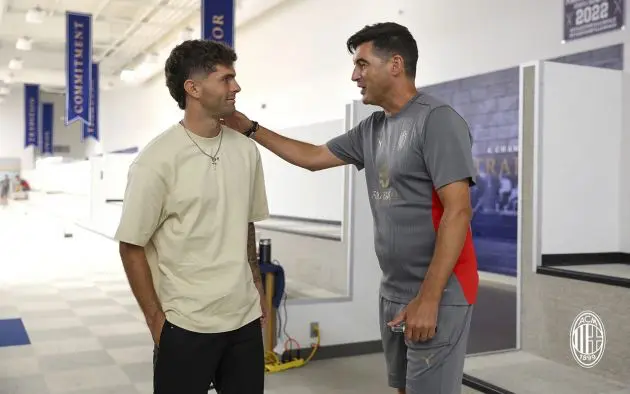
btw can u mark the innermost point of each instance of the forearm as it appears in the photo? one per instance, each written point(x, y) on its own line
point(451, 235)
point(140, 280)
point(252, 257)
point(301, 154)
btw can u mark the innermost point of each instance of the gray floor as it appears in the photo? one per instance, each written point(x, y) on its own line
point(351, 375)
point(87, 334)
point(525, 373)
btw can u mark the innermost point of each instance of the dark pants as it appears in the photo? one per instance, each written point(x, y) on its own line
point(189, 363)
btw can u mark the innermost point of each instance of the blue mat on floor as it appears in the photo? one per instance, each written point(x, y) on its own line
point(13, 333)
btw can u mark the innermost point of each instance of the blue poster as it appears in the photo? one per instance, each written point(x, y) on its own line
point(48, 124)
point(79, 67)
point(490, 105)
point(217, 21)
point(31, 113)
point(92, 130)
point(584, 18)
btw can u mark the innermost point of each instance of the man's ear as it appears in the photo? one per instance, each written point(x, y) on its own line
point(192, 88)
point(397, 65)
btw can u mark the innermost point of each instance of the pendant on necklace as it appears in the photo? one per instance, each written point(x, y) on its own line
point(214, 161)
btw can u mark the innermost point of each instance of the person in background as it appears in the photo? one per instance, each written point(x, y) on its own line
point(187, 236)
point(417, 156)
point(5, 185)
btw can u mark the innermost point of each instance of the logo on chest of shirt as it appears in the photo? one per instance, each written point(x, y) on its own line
point(385, 191)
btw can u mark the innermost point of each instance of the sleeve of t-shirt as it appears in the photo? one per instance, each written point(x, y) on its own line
point(349, 146)
point(259, 209)
point(448, 148)
point(142, 205)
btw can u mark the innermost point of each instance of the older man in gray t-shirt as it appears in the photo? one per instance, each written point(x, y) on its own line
point(417, 157)
point(407, 157)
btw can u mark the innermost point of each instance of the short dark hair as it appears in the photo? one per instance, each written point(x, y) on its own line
point(388, 39)
point(194, 56)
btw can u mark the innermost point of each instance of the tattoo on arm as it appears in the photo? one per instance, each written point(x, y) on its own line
point(251, 253)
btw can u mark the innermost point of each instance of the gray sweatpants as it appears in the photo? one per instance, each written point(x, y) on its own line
point(435, 366)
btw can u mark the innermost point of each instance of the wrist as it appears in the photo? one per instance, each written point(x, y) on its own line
point(154, 315)
point(251, 130)
point(429, 294)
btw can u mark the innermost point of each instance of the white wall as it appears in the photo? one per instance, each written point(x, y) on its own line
point(304, 77)
point(581, 131)
point(132, 117)
point(62, 134)
point(294, 191)
point(12, 127)
point(624, 173)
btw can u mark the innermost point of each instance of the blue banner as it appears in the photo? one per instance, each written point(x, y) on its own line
point(31, 112)
point(78, 66)
point(92, 130)
point(48, 123)
point(217, 21)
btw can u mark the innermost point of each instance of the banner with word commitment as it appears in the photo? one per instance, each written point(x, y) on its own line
point(585, 18)
point(217, 21)
point(78, 67)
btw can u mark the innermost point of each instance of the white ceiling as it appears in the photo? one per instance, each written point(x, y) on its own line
point(124, 32)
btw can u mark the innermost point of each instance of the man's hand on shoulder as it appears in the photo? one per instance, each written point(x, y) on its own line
point(237, 121)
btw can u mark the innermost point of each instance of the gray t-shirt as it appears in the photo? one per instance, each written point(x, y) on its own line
point(407, 157)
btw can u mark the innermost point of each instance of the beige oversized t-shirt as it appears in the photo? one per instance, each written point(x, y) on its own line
point(192, 218)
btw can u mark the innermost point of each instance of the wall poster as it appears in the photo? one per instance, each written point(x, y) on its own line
point(584, 18)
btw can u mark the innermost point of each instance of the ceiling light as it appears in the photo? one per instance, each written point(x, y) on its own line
point(35, 15)
point(15, 64)
point(24, 44)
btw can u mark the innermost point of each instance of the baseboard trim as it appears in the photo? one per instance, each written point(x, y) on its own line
point(584, 276)
point(344, 350)
point(554, 260)
point(483, 386)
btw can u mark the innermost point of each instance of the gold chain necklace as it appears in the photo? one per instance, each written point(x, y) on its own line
point(214, 158)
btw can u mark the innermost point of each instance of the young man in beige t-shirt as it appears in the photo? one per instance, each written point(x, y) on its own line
point(187, 236)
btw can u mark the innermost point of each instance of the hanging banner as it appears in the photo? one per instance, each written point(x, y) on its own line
point(31, 112)
point(92, 130)
point(584, 18)
point(78, 66)
point(48, 124)
point(217, 21)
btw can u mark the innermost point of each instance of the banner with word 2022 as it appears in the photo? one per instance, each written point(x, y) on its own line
point(78, 67)
point(48, 124)
point(584, 18)
point(217, 21)
point(31, 115)
point(91, 130)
